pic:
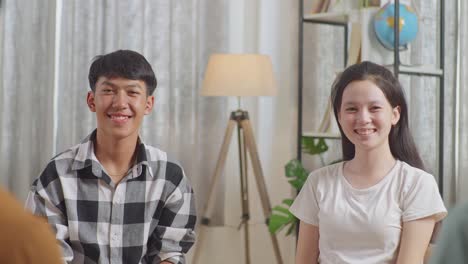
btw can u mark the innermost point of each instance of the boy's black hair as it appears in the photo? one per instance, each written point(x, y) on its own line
point(127, 64)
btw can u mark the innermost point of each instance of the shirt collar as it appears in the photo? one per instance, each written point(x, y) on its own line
point(85, 157)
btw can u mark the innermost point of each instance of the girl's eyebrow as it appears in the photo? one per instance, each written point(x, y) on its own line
point(371, 102)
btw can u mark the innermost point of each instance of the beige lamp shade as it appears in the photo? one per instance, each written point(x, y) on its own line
point(239, 75)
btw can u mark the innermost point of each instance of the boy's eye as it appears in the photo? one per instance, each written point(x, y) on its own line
point(376, 108)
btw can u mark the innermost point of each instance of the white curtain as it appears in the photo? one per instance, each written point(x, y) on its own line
point(27, 91)
point(462, 177)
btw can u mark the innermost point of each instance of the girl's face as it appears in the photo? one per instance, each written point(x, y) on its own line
point(366, 115)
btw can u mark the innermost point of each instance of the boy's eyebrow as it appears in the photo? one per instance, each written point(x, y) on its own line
point(107, 83)
point(133, 86)
point(113, 85)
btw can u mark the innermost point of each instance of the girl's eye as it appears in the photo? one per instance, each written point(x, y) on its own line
point(351, 109)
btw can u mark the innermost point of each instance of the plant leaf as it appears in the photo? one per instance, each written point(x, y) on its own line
point(313, 145)
point(288, 201)
point(297, 175)
point(281, 210)
point(276, 223)
point(294, 168)
point(297, 183)
point(291, 228)
point(281, 217)
point(296, 172)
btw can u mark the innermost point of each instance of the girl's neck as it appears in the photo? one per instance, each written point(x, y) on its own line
point(367, 168)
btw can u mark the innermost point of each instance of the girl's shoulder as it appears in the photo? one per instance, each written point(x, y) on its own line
point(410, 174)
point(414, 180)
point(419, 194)
point(325, 175)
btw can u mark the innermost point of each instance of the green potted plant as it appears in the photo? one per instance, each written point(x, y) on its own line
point(280, 217)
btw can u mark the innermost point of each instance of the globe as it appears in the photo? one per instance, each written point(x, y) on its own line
point(383, 25)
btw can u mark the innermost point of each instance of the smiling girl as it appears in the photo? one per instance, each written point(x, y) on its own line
point(378, 205)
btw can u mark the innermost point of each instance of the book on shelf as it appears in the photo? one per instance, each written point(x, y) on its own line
point(354, 51)
point(324, 6)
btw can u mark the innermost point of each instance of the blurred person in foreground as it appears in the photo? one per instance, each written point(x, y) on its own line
point(452, 244)
point(24, 238)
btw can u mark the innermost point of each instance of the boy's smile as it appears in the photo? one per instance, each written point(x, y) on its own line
point(119, 119)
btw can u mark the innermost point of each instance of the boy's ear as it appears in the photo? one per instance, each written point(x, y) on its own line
point(149, 104)
point(90, 101)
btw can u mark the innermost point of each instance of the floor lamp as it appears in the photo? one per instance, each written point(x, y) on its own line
point(239, 75)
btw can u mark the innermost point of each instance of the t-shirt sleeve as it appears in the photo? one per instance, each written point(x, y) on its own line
point(421, 199)
point(305, 206)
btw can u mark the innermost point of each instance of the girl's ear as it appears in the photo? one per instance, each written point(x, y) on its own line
point(396, 115)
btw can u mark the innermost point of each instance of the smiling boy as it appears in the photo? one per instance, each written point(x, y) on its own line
point(112, 198)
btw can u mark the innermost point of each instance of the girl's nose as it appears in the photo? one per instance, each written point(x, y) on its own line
point(364, 116)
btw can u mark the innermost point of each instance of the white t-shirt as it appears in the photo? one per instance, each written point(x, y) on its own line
point(364, 225)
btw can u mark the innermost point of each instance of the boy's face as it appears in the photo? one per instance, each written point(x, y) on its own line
point(120, 105)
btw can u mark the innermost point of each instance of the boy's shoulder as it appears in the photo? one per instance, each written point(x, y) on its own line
point(70, 153)
point(164, 165)
point(155, 154)
point(58, 165)
point(75, 157)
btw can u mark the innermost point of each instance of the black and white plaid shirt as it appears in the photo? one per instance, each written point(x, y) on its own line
point(148, 217)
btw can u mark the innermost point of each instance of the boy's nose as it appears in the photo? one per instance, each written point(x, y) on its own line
point(120, 100)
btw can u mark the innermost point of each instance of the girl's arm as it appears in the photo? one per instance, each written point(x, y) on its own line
point(415, 239)
point(307, 244)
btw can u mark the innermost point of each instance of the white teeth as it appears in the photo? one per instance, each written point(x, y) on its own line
point(119, 117)
point(364, 131)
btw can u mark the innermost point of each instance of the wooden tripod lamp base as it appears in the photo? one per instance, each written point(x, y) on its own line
point(239, 75)
point(247, 145)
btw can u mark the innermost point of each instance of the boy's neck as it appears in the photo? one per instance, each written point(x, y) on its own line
point(115, 155)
